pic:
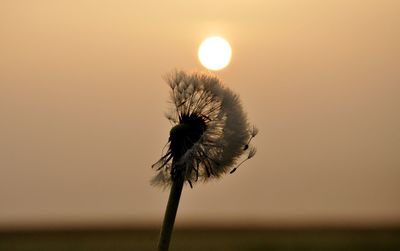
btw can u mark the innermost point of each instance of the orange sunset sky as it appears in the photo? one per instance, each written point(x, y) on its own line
point(82, 103)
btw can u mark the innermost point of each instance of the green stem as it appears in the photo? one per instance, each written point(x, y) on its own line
point(170, 213)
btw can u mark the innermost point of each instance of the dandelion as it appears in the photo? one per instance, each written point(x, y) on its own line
point(210, 135)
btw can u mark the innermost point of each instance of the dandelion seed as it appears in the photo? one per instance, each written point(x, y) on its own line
point(254, 132)
point(252, 152)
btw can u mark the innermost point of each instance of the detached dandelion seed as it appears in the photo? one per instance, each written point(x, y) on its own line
point(210, 135)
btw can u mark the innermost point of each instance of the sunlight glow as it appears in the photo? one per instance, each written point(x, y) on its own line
point(215, 53)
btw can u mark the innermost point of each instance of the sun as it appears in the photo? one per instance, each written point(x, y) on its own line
point(215, 53)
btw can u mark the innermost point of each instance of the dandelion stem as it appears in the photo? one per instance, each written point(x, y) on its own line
point(170, 213)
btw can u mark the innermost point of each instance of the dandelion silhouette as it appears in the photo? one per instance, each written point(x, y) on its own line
point(211, 134)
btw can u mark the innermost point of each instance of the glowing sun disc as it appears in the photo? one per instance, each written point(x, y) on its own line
point(215, 53)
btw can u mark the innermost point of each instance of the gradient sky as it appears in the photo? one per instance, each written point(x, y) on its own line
point(82, 101)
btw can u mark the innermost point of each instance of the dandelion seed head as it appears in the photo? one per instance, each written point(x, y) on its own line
point(210, 131)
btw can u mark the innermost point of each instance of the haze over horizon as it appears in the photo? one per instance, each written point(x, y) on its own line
point(82, 101)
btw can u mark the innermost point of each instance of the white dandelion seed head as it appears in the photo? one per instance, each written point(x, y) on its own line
point(211, 131)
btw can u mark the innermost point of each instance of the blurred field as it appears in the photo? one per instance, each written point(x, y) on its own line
point(204, 240)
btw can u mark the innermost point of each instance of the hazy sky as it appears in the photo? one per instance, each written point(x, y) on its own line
point(82, 101)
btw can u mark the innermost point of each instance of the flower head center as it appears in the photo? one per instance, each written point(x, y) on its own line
point(184, 135)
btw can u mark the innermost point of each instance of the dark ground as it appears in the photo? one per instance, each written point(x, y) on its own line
point(387, 239)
